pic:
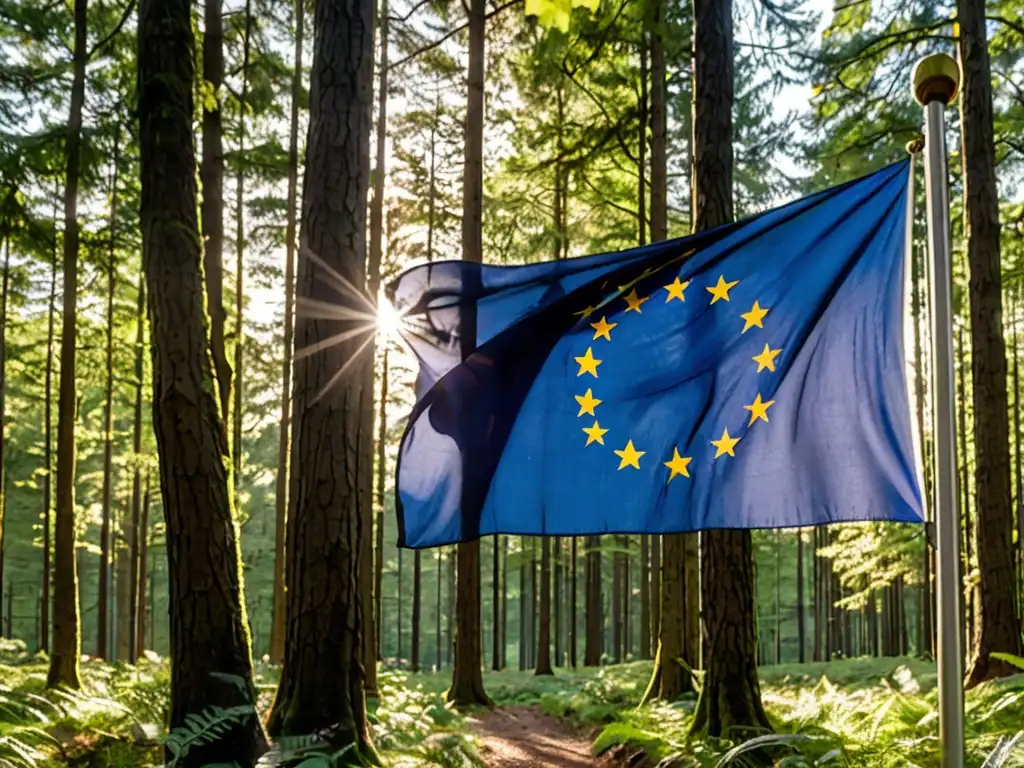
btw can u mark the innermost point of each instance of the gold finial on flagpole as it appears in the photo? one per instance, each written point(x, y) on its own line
point(936, 78)
point(915, 145)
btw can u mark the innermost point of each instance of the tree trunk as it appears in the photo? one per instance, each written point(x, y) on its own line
point(140, 641)
point(467, 676)
point(544, 636)
point(440, 581)
point(1019, 459)
point(3, 413)
point(924, 644)
point(495, 604)
point(645, 597)
point(801, 612)
point(523, 639)
point(398, 604)
point(572, 602)
point(283, 441)
point(730, 699)
point(209, 632)
point(594, 607)
point(212, 175)
point(627, 594)
point(378, 578)
point(672, 677)
point(108, 418)
point(655, 589)
point(124, 550)
point(417, 599)
point(238, 394)
point(778, 597)
point(967, 617)
point(67, 640)
point(134, 530)
point(504, 604)
point(332, 446)
point(450, 642)
point(44, 609)
point(616, 601)
point(998, 626)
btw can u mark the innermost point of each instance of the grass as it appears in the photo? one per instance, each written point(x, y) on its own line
point(868, 713)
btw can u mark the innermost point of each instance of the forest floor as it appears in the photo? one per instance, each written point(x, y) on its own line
point(524, 737)
point(856, 713)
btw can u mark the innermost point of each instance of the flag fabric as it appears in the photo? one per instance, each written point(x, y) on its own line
point(750, 376)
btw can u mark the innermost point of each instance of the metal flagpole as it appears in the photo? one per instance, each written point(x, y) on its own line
point(936, 80)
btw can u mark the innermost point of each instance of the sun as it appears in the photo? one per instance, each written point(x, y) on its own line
point(389, 319)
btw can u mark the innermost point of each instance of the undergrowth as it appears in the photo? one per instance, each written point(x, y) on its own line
point(867, 713)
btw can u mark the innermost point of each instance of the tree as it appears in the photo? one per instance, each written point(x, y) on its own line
point(108, 416)
point(212, 175)
point(594, 604)
point(998, 627)
point(281, 486)
point(210, 652)
point(332, 393)
point(467, 675)
point(544, 636)
point(67, 639)
point(730, 699)
point(676, 589)
point(138, 527)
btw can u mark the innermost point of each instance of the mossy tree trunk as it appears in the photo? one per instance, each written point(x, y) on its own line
point(67, 639)
point(332, 446)
point(998, 627)
point(730, 699)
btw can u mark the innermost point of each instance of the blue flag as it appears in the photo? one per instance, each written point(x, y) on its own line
point(750, 376)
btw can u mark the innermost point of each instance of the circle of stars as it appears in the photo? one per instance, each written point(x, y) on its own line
point(630, 456)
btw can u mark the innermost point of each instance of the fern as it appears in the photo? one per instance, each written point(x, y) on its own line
point(205, 728)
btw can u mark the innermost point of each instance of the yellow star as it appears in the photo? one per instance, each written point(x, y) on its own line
point(679, 465)
point(630, 456)
point(588, 364)
point(588, 403)
point(603, 328)
point(754, 317)
point(725, 445)
point(675, 290)
point(721, 290)
point(758, 409)
point(766, 359)
point(634, 301)
point(585, 312)
point(595, 434)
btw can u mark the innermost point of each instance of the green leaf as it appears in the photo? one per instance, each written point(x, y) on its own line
point(1009, 658)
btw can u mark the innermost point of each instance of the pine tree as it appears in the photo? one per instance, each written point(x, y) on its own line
point(210, 648)
point(730, 699)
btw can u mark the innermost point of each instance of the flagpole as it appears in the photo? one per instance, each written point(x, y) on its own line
point(936, 80)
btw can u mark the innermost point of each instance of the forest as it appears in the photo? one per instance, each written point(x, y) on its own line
point(203, 388)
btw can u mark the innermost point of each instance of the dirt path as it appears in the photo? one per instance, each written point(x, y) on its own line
point(524, 737)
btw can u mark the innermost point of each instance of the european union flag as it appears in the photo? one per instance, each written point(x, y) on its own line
point(750, 376)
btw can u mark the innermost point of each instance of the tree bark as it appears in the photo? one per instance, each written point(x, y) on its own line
point(504, 604)
point(108, 417)
point(437, 628)
point(656, 547)
point(801, 612)
point(67, 640)
point(672, 677)
point(616, 601)
point(730, 699)
point(495, 606)
point(467, 676)
point(332, 445)
point(208, 625)
point(212, 175)
point(284, 434)
point(595, 605)
point(544, 636)
point(417, 598)
point(572, 603)
point(44, 608)
point(3, 410)
point(135, 531)
point(382, 433)
point(998, 626)
point(140, 640)
point(967, 617)
point(238, 393)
